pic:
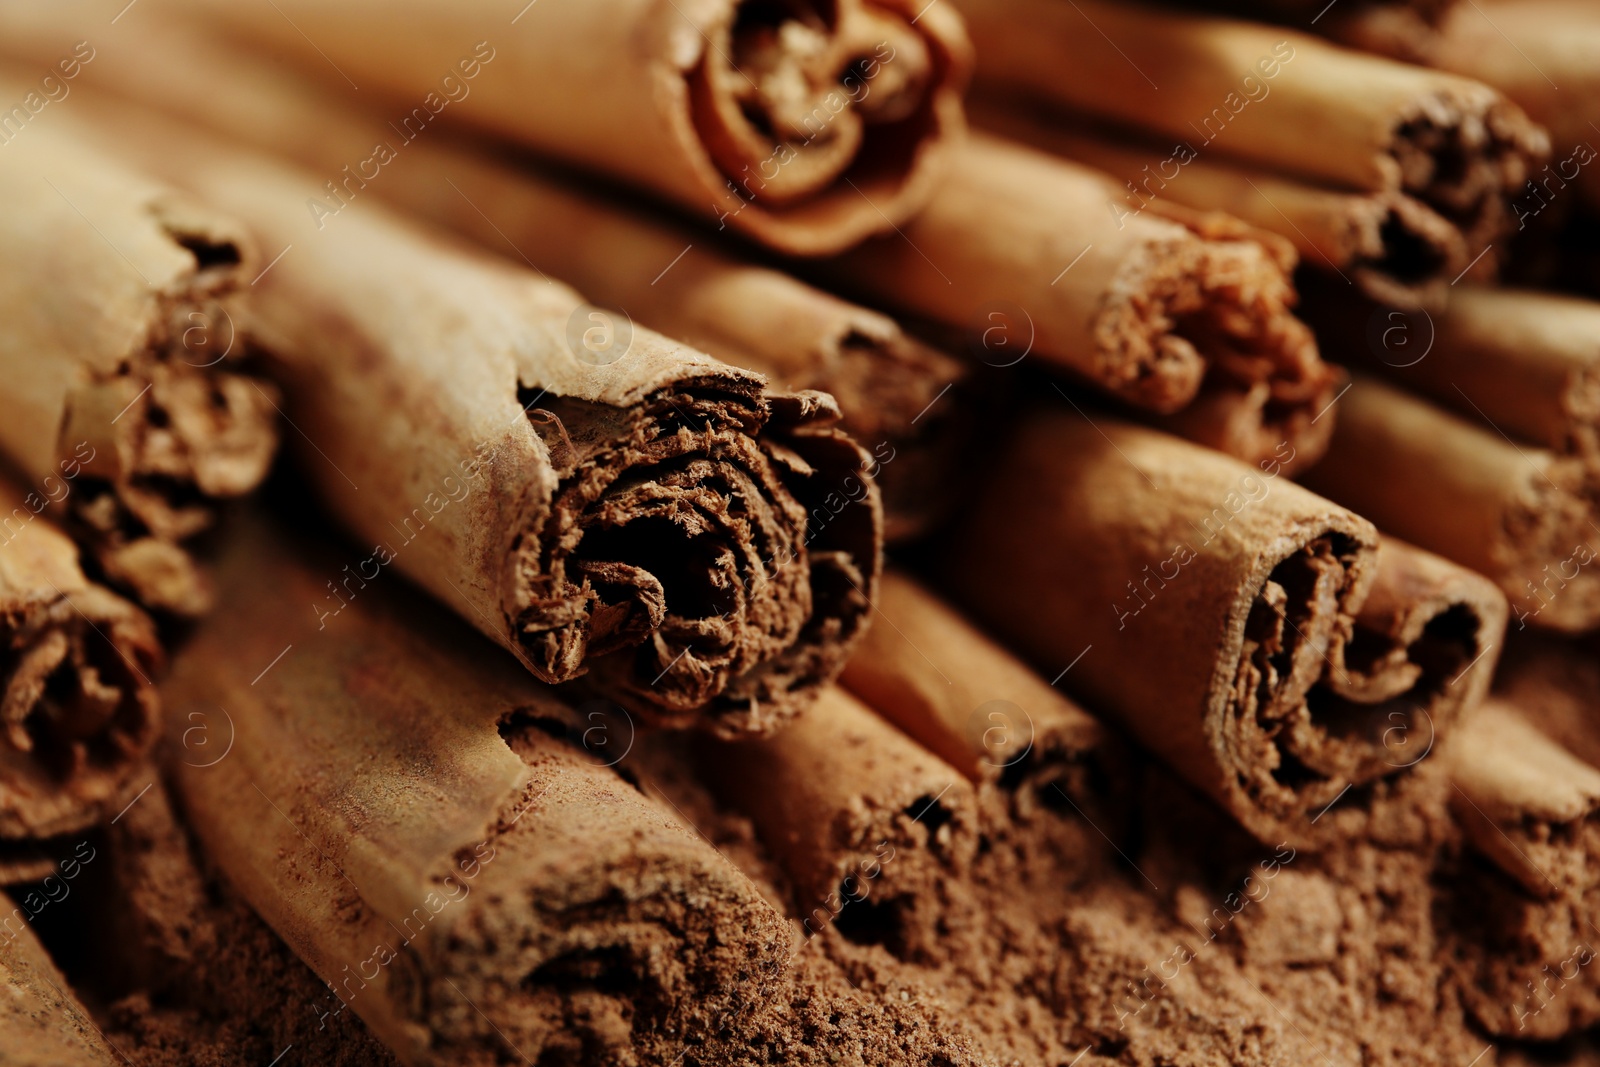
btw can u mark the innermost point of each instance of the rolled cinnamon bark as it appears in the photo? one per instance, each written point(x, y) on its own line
point(78, 710)
point(1338, 119)
point(966, 699)
point(1521, 515)
point(1526, 803)
point(891, 388)
point(1212, 610)
point(1028, 253)
point(393, 805)
point(120, 346)
point(806, 126)
point(869, 826)
point(1555, 684)
point(1394, 247)
point(602, 501)
point(44, 1023)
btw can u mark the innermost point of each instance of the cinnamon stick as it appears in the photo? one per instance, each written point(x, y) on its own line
point(44, 1023)
point(395, 806)
point(1524, 933)
point(807, 127)
point(1276, 102)
point(1184, 311)
point(869, 826)
point(602, 501)
point(121, 348)
point(1535, 52)
point(78, 710)
point(1520, 514)
point(899, 397)
point(1214, 611)
point(965, 698)
point(1393, 247)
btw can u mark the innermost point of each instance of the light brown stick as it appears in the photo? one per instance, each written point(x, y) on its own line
point(44, 1023)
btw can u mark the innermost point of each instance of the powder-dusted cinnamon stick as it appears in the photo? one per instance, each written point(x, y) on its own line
point(43, 1022)
point(78, 710)
point(602, 501)
point(1524, 941)
point(1212, 609)
point(806, 126)
point(1027, 253)
point(1555, 684)
point(868, 825)
point(963, 697)
point(119, 347)
point(897, 396)
point(1520, 514)
point(394, 804)
point(1527, 803)
point(1276, 102)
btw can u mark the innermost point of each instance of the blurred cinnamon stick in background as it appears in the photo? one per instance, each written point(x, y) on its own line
point(806, 127)
point(1441, 156)
point(120, 347)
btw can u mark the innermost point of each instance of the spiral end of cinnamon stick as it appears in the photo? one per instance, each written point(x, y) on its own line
point(705, 565)
point(826, 111)
point(78, 712)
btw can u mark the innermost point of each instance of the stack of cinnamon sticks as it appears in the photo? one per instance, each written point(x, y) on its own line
point(777, 558)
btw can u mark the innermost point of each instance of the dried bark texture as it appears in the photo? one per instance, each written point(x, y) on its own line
point(1027, 253)
point(1520, 514)
point(891, 388)
point(602, 501)
point(120, 349)
point(78, 710)
point(1211, 610)
point(1427, 148)
point(868, 825)
point(1525, 938)
point(807, 127)
point(43, 1023)
point(461, 887)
